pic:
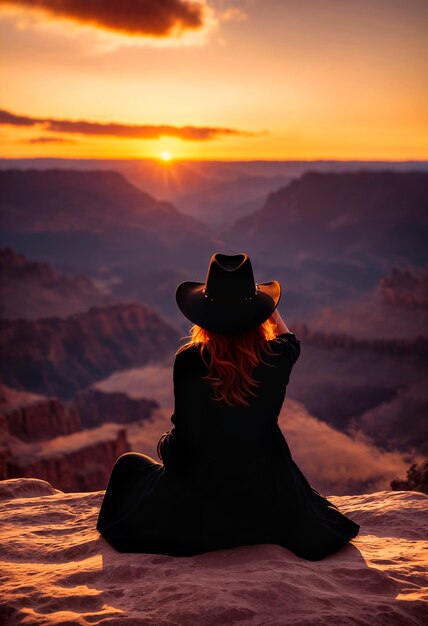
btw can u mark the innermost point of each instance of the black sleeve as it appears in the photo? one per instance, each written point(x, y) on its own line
point(287, 343)
point(168, 449)
point(171, 445)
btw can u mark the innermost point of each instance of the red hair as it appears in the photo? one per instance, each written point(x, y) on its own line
point(233, 359)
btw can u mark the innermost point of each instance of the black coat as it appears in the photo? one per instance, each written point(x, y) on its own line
point(228, 477)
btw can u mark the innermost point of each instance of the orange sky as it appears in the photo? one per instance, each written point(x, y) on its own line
point(250, 79)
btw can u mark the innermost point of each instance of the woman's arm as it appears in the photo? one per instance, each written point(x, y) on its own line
point(171, 445)
point(169, 450)
point(281, 326)
point(290, 345)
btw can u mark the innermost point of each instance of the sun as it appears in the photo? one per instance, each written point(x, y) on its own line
point(165, 156)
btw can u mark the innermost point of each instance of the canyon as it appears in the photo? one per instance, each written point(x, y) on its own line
point(59, 356)
point(75, 445)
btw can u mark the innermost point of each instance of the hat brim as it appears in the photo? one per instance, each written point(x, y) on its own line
point(224, 317)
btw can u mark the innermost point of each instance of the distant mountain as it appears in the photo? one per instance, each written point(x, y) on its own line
point(223, 203)
point(71, 200)
point(330, 237)
point(92, 219)
point(58, 357)
point(154, 176)
point(176, 178)
point(364, 216)
point(29, 289)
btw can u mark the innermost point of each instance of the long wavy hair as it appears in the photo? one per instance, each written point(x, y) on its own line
point(233, 357)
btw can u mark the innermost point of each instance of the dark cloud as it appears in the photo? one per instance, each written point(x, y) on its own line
point(112, 129)
point(7, 118)
point(159, 18)
point(42, 140)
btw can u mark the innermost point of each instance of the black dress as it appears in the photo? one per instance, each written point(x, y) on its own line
point(227, 478)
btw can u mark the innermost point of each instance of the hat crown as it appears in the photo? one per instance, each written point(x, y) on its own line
point(229, 301)
point(230, 277)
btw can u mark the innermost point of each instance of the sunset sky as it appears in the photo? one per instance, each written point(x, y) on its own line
point(249, 79)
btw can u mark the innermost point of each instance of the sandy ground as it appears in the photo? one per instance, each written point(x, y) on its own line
point(56, 569)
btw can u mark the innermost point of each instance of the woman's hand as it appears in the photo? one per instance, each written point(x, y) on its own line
point(279, 323)
point(170, 449)
point(160, 444)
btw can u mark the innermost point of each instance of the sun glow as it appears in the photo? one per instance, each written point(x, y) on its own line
point(165, 156)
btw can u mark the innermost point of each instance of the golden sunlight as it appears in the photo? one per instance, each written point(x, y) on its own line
point(165, 156)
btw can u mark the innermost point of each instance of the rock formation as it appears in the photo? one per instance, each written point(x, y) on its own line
point(371, 385)
point(96, 407)
point(60, 200)
point(41, 437)
point(30, 289)
point(82, 461)
point(416, 480)
point(36, 418)
point(94, 219)
point(331, 219)
point(60, 356)
point(405, 289)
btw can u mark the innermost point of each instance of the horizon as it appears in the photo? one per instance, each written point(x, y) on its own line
point(173, 160)
point(215, 80)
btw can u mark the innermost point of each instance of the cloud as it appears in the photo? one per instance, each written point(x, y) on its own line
point(15, 120)
point(158, 18)
point(113, 129)
point(42, 140)
point(233, 14)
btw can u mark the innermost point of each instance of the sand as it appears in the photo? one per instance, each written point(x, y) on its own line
point(55, 568)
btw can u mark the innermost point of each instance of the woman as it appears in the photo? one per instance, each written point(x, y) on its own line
point(227, 477)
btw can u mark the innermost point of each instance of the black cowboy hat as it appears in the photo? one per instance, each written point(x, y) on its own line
point(229, 300)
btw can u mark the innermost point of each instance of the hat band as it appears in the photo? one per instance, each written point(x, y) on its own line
point(236, 298)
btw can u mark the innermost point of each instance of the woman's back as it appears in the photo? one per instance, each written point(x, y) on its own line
point(227, 477)
point(206, 430)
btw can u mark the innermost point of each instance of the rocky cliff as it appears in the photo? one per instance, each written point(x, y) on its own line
point(69, 200)
point(5, 451)
point(30, 289)
point(58, 357)
point(36, 418)
point(57, 569)
point(96, 407)
point(82, 461)
point(100, 214)
point(337, 218)
point(369, 385)
point(41, 437)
